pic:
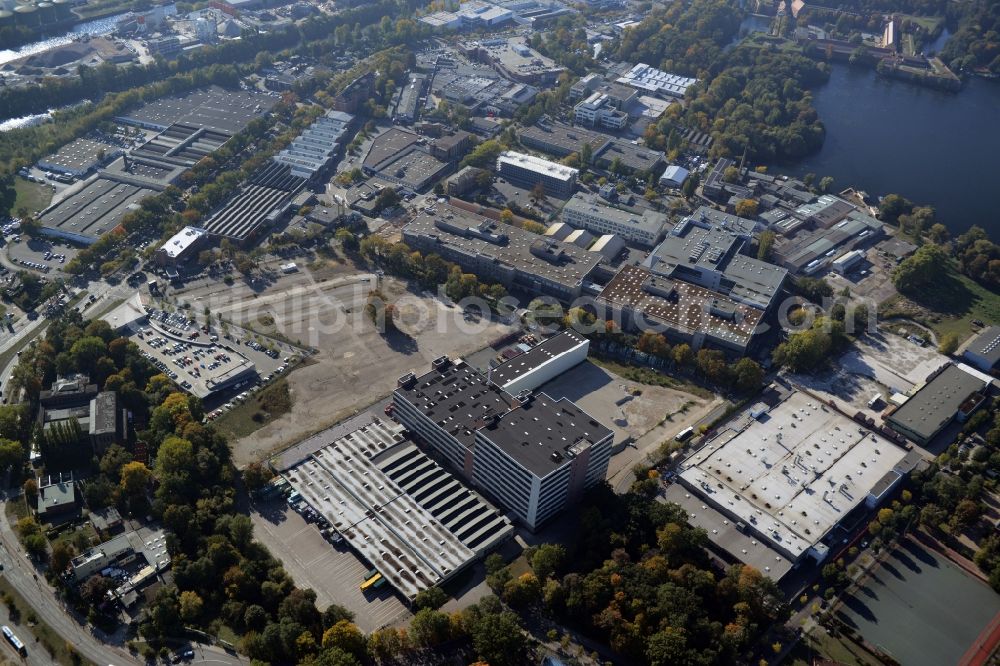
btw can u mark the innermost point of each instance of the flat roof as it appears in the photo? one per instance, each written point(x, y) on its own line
point(104, 413)
point(543, 434)
point(986, 345)
point(537, 165)
point(630, 155)
point(79, 156)
point(585, 204)
point(484, 239)
point(458, 398)
point(683, 306)
point(537, 356)
point(182, 240)
point(364, 484)
point(793, 473)
point(215, 108)
point(725, 534)
point(560, 139)
point(387, 146)
point(935, 403)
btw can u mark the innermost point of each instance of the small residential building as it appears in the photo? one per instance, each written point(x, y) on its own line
point(56, 497)
point(525, 170)
point(983, 351)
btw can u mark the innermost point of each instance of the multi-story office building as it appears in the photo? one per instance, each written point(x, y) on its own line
point(533, 454)
point(528, 171)
point(586, 212)
point(598, 111)
point(539, 458)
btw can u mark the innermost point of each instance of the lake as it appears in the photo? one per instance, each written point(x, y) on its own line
point(935, 148)
point(101, 26)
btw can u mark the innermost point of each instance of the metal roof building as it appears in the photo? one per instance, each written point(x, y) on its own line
point(409, 518)
point(949, 393)
point(983, 351)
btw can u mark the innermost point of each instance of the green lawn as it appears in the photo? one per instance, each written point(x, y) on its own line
point(948, 307)
point(928, 23)
point(58, 648)
point(33, 196)
point(259, 409)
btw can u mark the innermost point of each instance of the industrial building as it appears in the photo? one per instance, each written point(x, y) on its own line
point(649, 79)
point(501, 253)
point(681, 311)
point(787, 475)
point(807, 249)
point(514, 59)
point(983, 351)
point(674, 176)
point(705, 249)
point(560, 139)
point(182, 246)
point(535, 455)
point(619, 96)
point(408, 102)
point(124, 549)
point(608, 246)
point(92, 211)
point(542, 363)
point(79, 157)
point(630, 156)
point(319, 144)
point(846, 262)
point(402, 158)
point(585, 211)
point(528, 171)
point(409, 518)
point(212, 108)
point(262, 202)
point(952, 392)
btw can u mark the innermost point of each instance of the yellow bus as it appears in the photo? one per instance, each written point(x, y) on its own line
point(371, 582)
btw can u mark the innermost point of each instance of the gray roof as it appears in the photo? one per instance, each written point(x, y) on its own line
point(56, 495)
point(934, 406)
point(542, 433)
point(104, 413)
point(458, 398)
point(987, 345)
point(228, 111)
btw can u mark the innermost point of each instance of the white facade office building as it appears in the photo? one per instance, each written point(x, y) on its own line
point(528, 170)
point(586, 212)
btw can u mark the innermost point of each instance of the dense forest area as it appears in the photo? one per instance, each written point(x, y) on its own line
point(749, 97)
point(976, 43)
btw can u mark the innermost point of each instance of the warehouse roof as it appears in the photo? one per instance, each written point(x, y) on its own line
point(182, 240)
point(986, 345)
point(360, 484)
point(935, 404)
point(537, 356)
point(793, 473)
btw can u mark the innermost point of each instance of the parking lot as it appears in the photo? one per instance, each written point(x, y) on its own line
point(334, 572)
point(39, 254)
point(196, 358)
point(920, 607)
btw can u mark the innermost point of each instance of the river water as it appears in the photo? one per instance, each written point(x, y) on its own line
point(101, 26)
point(935, 148)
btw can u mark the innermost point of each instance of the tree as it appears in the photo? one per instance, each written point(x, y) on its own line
point(62, 553)
point(538, 191)
point(499, 639)
point(135, 479)
point(387, 644)
point(256, 475)
point(31, 490)
point(430, 627)
point(11, 454)
point(432, 597)
point(921, 269)
point(683, 356)
point(547, 560)
point(748, 375)
point(765, 244)
point(346, 636)
point(731, 174)
point(347, 240)
point(190, 606)
point(747, 208)
point(826, 183)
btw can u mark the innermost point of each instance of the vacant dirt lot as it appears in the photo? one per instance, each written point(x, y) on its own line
point(355, 364)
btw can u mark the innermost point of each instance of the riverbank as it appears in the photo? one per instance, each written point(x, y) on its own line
point(886, 136)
